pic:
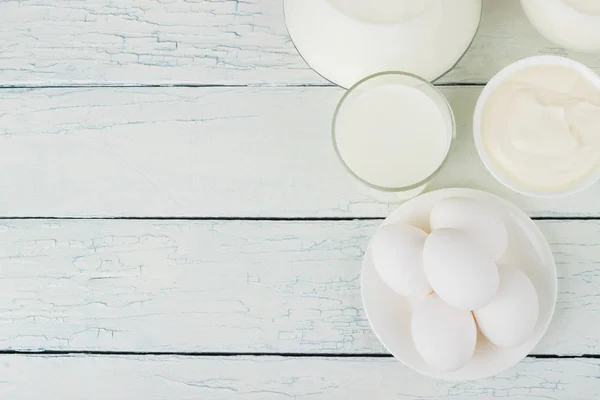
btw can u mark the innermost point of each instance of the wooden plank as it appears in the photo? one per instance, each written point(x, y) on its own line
point(270, 378)
point(48, 42)
point(229, 286)
point(241, 152)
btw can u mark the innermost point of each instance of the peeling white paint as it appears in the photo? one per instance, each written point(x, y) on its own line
point(274, 378)
point(48, 42)
point(229, 286)
point(231, 152)
point(252, 151)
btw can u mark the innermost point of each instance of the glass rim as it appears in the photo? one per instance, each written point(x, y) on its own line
point(420, 183)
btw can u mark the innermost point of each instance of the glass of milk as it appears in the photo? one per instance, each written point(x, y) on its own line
point(393, 132)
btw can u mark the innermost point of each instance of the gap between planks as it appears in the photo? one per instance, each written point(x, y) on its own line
point(248, 354)
point(202, 85)
point(267, 219)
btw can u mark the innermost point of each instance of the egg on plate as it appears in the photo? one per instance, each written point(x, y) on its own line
point(510, 318)
point(458, 269)
point(444, 336)
point(481, 221)
point(397, 252)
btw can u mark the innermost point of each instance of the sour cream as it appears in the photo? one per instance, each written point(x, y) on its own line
point(537, 126)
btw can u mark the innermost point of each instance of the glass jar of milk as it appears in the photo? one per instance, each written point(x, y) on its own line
point(393, 132)
point(346, 40)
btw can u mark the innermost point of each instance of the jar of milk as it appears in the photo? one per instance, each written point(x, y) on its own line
point(347, 40)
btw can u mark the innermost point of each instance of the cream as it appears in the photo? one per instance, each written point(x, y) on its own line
point(541, 127)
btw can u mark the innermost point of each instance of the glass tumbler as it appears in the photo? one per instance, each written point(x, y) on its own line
point(392, 132)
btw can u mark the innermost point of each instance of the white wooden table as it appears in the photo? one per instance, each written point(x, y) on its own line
point(175, 224)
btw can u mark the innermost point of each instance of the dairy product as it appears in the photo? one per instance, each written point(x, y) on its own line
point(347, 40)
point(540, 126)
point(393, 130)
point(573, 24)
point(382, 11)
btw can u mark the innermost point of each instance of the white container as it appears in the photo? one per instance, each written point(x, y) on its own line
point(511, 180)
point(574, 24)
point(393, 131)
point(390, 313)
point(347, 40)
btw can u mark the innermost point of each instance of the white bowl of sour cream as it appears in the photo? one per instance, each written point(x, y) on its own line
point(537, 126)
point(347, 40)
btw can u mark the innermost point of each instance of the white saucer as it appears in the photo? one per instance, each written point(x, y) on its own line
point(344, 46)
point(390, 314)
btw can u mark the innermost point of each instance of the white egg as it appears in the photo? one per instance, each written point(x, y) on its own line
point(444, 336)
point(458, 270)
point(397, 253)
point(480, 220)
point(509, 319)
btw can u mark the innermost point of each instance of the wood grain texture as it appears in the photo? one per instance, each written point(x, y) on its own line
point(274, 378)
point(49, 42)
point(229, 286)
point(215, 152)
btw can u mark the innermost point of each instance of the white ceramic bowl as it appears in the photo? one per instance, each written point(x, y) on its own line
point(347, 40)
point(390, 314)
point(500, 77)
point(569, 23)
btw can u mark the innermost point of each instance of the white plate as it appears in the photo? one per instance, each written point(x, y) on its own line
point(345, 40)
point(390, 314)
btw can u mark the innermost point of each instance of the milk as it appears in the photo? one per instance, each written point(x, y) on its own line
point(381, 11)
point(347, 40)
point(393, 131)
